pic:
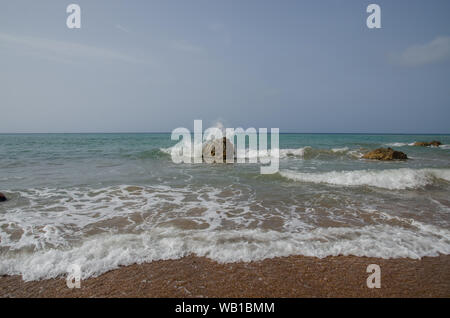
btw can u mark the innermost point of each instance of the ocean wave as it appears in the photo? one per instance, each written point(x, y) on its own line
point(400, 144)
point(314, 153)
point(149, 154)
point(49, 217)
point(343, 149)
point(101, 229)
point(306, 152)
point(404, 144)
point(11, 178)
point(105, 252)
point(393, 179)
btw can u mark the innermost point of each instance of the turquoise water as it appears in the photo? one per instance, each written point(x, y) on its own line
point(104, 200)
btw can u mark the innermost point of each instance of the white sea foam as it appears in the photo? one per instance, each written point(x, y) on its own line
point(250, 153)
point(43, 220)
point(403, 144)
point(343, 149)
point(286, 153)
point(400, 144)
point(293, 152)
point(99, 254)
point(394, 179)
point(55, 228)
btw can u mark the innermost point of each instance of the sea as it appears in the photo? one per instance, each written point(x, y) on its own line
point(100, 201)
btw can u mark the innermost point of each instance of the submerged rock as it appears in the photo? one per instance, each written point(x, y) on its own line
point(427, 144)
point(223, 147)
point(385, 154)
point(2, 197)
point(436, 143)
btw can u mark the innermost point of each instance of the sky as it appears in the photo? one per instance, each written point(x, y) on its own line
point(152, 66)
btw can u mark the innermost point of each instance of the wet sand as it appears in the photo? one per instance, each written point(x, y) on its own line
point(293, 276)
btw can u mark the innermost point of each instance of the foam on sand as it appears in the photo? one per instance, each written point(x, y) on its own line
point(99, 254)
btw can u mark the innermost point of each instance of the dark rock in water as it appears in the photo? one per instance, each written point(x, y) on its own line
point(427, 144)
point(2, 197)
point(223, 146)
point(385, 154)
point(435, 143)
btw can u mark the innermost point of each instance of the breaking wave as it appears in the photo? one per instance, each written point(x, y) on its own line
point(302, 152)
point(400, 144)
point(403, 144)
point(393, 179)
point(105, 252)
point(102, 229)
point(149, 154)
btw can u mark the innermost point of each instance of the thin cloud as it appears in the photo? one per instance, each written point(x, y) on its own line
point(122, 28)
point(62, 50)
point(185, 46)
point(437, 50)
point(216, 27)
point(221, 32)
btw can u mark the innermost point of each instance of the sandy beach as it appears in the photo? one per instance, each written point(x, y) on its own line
point(293, 276)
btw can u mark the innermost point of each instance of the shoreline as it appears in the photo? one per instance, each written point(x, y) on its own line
point(291, 276)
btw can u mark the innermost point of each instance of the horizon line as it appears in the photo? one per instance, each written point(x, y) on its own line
point(162, 132)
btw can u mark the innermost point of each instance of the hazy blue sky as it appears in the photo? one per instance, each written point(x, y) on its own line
point(306, 66)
